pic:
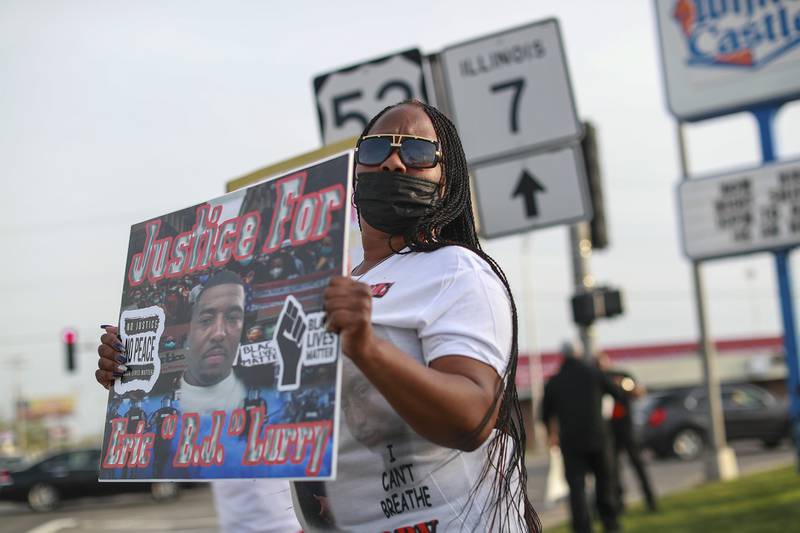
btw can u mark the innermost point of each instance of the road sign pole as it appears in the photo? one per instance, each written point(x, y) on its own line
point(437, 89)
point(535, 371)
point(765, 117)
point(790, 344)
point(581, 250)
point(720, 458)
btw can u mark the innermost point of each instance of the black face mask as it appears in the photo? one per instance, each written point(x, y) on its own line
point(392, 202)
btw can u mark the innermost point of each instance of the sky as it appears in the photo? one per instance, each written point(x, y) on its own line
point(115, 112)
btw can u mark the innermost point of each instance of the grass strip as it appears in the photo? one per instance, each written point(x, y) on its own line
point(765, 502)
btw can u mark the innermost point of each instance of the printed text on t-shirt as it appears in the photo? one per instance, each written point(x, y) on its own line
point(400, 499)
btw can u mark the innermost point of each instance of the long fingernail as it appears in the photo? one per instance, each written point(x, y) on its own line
point(119, 347)
point(122, 368)
point(122, 359)
point(104, 326)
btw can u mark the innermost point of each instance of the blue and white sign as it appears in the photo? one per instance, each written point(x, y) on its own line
point(721, 56)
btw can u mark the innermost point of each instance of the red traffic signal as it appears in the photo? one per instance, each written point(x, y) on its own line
point(69, 337)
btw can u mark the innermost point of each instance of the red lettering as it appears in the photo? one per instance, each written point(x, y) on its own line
point(379, 290)
point(423, 527)
point(236, 423)
point(207, 244)
point(128, 449)
point(287, 443)
point(288, 190)
point(309, 215)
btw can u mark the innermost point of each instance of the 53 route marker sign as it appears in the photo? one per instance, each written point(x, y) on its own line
point(349, 97)
point(510, 92)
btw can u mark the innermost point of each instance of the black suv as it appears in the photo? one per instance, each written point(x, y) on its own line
point(674, 422)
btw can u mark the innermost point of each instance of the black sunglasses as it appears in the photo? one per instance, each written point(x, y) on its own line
point(415, 152)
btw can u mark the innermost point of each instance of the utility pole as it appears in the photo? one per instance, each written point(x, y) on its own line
point(20, 425)
point(581, 248)
point(535, 373)
point(720, 458)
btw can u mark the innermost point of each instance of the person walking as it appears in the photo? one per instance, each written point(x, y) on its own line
point(623, 438)
point(571, 410)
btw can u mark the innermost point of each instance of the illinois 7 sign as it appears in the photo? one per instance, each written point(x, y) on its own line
point(510, 92)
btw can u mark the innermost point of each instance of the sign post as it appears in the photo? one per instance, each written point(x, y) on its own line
point(510, 92)
point(536, 191)
point(511, 98)
point(720, 58)
point(720, 458)
point(765, 116)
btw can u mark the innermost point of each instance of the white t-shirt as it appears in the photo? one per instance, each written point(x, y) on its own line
point(228, 394)
point(254, 506)
point(429, 305)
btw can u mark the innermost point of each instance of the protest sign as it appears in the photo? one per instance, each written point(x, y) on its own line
point(230, 371)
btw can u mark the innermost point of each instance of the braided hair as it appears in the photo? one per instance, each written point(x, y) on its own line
point(451, 223)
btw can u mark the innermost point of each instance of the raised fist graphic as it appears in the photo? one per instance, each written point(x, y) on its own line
point(290, 338)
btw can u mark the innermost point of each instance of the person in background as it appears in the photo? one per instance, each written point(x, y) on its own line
point(161, 445)
point(622, 432)
point(292, 265)
point(255, 334)
point(249, 291)
point(572, 412)
point(324, 254)
point(277, 268)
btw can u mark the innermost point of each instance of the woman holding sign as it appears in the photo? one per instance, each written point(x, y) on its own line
point(433, 438)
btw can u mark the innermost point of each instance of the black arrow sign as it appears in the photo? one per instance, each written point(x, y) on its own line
point(528, 187)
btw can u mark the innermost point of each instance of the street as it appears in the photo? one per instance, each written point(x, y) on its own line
point(194, 511)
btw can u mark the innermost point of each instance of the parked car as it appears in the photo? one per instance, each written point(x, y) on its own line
point(674, 423)
point(65, 475)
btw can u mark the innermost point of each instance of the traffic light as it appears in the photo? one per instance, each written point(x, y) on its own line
point(600, 302)
point(612, 302)
point(69, 336)
point(583, 309)
point(591, 160)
